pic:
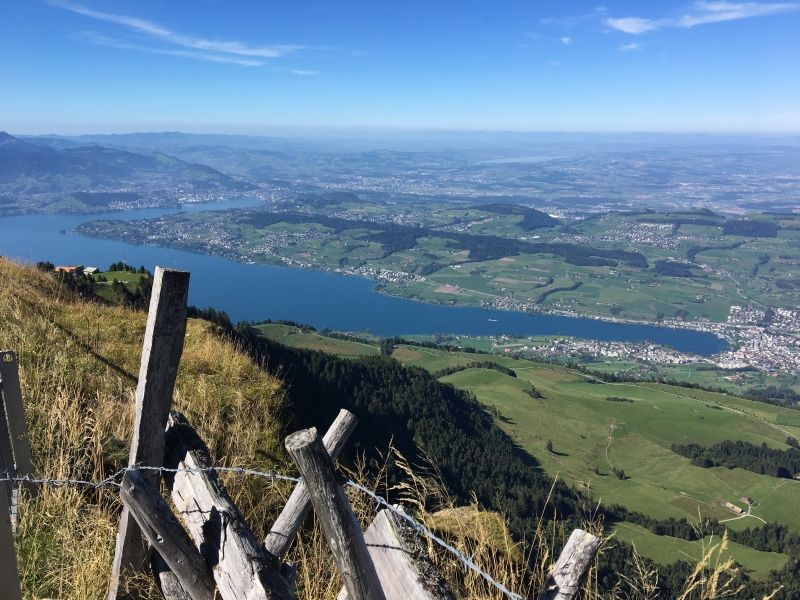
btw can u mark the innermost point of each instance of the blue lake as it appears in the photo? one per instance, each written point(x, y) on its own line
point(259, 292)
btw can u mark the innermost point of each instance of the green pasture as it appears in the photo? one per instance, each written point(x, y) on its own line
point(666, 550)
point(297, 338)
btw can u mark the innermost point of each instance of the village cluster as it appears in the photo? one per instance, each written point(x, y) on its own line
point(645, 234)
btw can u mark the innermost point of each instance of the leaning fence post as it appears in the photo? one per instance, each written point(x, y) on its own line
point(164, 531)
point(571, 566)
point(161, 353)
point(339, 525)
point(283, 531)
point(9, 574)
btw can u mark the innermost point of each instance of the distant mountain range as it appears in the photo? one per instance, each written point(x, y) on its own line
point(58, 168)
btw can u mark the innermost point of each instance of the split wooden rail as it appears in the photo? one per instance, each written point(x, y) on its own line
point(205, 549)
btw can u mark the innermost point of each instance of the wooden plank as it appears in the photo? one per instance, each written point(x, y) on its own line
point(165, 534)
point(339, 525)
point(571, 566)
point(161, 353)
point(240, 566)
point(284, 531)
point(9, 573)
point(400, 560)
point(15, 416)
point(167, 582)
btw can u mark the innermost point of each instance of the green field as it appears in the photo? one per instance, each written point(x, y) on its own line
point(126, 277)
point(666, 550)
point(591, 436)
point(104, 288)
point(706, 375)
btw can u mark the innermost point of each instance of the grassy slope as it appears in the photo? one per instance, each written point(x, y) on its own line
point(589, 432)
point(78, 366)
point(578, 419)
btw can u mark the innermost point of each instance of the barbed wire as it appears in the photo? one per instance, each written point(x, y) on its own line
point(114, 481)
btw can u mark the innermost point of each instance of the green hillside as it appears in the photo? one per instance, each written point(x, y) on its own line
point(592, 435)
point(670, 549)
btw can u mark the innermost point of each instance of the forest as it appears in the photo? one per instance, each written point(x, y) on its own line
point(531, 218)
point(483, 364)
point(733, 454)
point(673, 269)
point(750, 228)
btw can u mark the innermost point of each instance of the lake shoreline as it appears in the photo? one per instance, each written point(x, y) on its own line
point(250, 291)
point(379, 288)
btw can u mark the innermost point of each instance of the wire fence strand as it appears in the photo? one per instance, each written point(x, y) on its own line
point(114, 481)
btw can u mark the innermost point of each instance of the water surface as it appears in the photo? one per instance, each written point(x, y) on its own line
point(258, 292)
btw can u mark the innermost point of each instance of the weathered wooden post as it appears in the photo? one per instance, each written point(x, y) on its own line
point(283, 532)
point(400, 560)
point(164, 532)
point(9, 574)
point(6, 456)
point(571, 566)
point(161, 353)
point(339, 524)
point(15, 417)
point(15, 445)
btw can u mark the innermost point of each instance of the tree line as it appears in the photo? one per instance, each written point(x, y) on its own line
point(744, 455)
point(479, 364)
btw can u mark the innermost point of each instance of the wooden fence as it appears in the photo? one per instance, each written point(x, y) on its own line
point(205, 548)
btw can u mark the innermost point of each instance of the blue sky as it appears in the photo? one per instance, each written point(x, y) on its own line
point(263, 67)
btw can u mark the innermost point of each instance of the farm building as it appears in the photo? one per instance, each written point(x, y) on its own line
point(733, 507)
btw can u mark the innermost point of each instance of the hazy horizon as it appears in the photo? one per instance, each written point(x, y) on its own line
point(286, 131)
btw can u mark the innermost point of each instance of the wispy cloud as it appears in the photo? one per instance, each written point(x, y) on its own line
point(701, 13)
point(633, 25)
point(566, 40)
point(101, 40)
point(215, 50)
point(629, 47)
point(304, 72)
